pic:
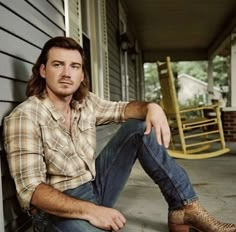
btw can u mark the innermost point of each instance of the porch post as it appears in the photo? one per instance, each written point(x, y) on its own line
point(233, 70)
point(229, 113)
point(210, 81)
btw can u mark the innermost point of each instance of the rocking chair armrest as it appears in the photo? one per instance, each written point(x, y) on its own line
point(199, 108)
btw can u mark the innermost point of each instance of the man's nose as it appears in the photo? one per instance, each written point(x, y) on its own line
point(66, 71)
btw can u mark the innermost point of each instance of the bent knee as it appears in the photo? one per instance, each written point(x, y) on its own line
point(135, 125)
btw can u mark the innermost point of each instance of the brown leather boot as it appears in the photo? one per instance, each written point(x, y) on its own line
point(193, 216)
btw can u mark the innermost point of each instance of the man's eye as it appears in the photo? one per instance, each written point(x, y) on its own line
point(56, 64)
point(75, 66)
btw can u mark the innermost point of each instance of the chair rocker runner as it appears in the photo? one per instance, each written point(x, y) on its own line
point(193, 137)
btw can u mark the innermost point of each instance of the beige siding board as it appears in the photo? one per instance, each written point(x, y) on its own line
point(12, 90)
point(59, 5)
point(114, 66)
point(113, 49)
point(114, 54)
point(20, 27)
point(117, 84)
point(49, 11)
point(5, 109)
point(21, 49)
point(30, 14)
point(132, 80)
point(116, 89)
point(14, 68)
point(25, 26)
point(116, 93)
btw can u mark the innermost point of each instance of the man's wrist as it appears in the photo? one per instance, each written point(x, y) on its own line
point(152, 104)
point(86, 209)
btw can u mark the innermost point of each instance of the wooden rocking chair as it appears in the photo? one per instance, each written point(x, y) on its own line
point(193, 137)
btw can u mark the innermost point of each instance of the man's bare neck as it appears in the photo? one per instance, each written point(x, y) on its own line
point(62, 104)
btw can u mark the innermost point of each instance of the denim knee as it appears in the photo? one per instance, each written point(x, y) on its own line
point(134, 125)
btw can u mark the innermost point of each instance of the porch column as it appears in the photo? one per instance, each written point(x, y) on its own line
point(229, 113)
point(210, 87)
point(233, 71)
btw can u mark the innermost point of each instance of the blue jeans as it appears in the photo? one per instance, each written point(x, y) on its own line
point(113, 167)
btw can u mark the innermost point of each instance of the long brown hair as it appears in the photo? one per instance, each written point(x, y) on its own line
point(36, 85)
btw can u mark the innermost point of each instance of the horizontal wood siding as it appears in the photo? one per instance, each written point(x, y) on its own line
point(59, 6)
point(49, 12)
point(14, 68)
point(25, 27)
point(30, 14)
point(14, 218)
point(113, 50)
point(132, 80)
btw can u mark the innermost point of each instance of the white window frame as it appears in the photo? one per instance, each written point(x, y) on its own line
point(73, 19)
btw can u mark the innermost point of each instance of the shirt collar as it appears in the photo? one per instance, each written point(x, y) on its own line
point(76, 105)
point(55, 113)
point(51, 108)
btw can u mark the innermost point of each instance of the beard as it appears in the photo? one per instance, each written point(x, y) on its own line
point(62, 90)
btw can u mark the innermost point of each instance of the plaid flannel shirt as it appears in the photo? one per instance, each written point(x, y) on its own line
point(41, 150)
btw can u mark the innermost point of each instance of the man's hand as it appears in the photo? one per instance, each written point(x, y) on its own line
point(106, 218)
point(156, 118)
point(57, 203)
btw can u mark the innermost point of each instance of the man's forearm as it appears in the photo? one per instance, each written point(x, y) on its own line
point(136, 109)
point(55, 202)
point(154, 117)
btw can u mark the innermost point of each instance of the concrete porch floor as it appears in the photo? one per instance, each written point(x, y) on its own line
point(214, 181)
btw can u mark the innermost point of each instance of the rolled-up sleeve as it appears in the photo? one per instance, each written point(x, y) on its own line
point(24, 150)
point(108, 111)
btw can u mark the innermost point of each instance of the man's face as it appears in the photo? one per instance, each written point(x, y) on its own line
point(63, 72)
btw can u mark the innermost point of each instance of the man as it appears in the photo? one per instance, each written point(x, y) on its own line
point(50, 143)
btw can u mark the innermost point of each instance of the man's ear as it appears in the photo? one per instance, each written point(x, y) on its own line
point(42, 71)
point(82, 79)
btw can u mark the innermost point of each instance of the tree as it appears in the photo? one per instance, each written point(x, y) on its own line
point(197, 69)
point(221, 71)
point(152, 85)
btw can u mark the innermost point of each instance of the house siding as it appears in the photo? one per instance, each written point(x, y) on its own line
point(113, 50)
point(114, 56)
point(191, 88)
point(132, 81)
point(25, 27)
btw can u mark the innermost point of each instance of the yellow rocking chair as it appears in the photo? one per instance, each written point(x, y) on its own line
point(193, 137)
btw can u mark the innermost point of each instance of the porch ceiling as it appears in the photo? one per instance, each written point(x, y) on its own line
point(182, 29)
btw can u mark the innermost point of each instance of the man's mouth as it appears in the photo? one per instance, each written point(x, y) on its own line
point(66, 82)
